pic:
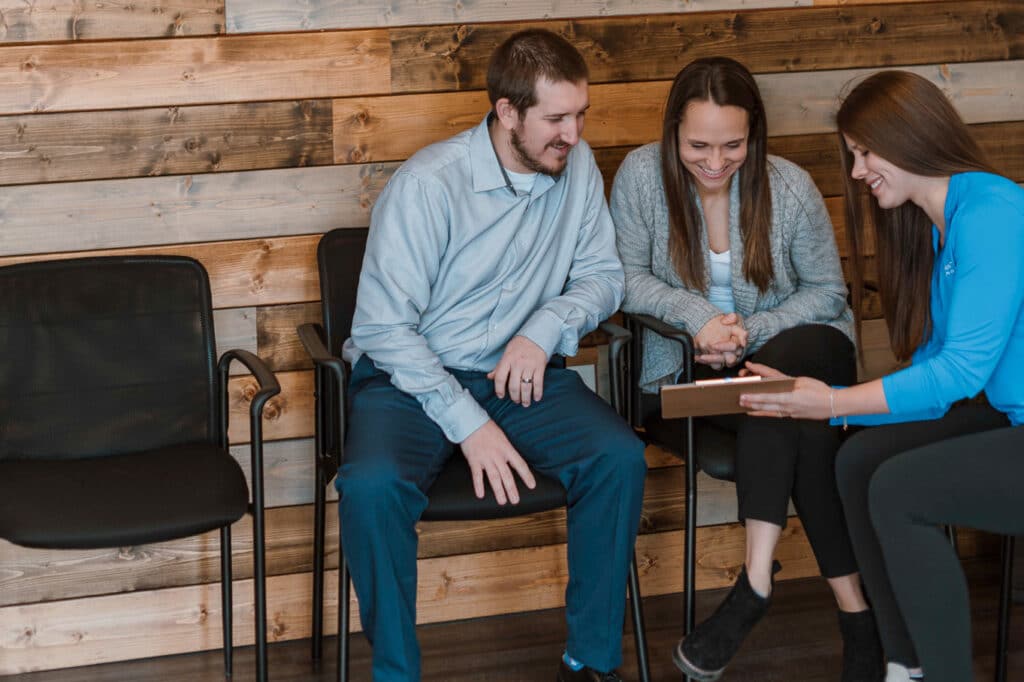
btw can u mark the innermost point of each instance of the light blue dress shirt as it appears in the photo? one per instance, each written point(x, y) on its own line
point(458, 262)
point(977, 309)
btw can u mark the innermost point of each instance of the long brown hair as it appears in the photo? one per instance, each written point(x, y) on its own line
point(906, 120)
point(725, 82)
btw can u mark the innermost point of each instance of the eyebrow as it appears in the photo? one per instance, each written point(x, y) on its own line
point(568, 113)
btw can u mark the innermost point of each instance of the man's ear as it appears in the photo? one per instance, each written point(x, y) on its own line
point(508, 115)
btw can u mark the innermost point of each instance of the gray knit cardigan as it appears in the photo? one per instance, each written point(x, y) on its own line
point(808, 286)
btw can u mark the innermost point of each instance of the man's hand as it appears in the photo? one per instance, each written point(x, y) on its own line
point(489, 452)
point(721, 342)
point(520, 371)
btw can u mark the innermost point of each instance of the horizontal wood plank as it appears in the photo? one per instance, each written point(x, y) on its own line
point(165, 141)
point(655, 47)
point(256, 16)
point(108, 214)
point(390, 128)
point(176, 72)
point(55, 20)
point(242, 273)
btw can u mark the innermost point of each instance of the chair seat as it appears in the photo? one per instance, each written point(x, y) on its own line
point(452, 497)
point(153, 495)
point(716, 447)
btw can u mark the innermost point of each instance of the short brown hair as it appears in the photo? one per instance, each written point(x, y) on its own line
point(906, 120)
point(525, 58)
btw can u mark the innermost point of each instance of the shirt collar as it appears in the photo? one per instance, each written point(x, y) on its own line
point(488, 173)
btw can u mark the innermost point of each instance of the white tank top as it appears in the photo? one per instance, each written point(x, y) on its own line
point(720, 292)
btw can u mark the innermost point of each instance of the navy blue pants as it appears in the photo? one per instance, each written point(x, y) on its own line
point(393, 453)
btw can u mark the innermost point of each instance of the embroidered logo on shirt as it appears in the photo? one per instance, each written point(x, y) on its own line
point(949, 268)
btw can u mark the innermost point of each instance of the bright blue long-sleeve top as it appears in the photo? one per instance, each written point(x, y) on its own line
point(977, 309)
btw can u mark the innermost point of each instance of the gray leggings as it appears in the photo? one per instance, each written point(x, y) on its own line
point(898, 483)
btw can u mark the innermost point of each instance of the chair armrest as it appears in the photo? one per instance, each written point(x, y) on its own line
point(619, 337)
point(311, 335)
point(328, 399)
point(269, 387)
point(667, 331)
point(264, 377)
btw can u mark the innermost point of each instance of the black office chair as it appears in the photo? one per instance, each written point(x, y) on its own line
point(114, 414)
point(340, 256)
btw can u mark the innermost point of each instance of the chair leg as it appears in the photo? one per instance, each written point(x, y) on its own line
point(319, 512)
point(639, 629)
point(690, 548)
point(260, 593)
point(225, 599)
point(344, 601)
point(1005, 590)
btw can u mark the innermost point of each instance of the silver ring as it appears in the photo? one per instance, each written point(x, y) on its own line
point(527, 381)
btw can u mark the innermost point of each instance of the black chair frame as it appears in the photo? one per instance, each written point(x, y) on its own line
point(331, 380)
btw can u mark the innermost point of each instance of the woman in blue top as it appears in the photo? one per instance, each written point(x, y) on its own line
point(950, 251)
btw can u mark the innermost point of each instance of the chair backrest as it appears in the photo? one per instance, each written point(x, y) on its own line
point(339, 257)
point(106, 355)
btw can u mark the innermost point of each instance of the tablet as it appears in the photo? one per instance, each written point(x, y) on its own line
point(716, 396)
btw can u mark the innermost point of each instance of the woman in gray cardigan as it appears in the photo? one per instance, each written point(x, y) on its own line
point(735, 247)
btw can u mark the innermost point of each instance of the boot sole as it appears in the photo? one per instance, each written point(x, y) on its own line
point(693, 671)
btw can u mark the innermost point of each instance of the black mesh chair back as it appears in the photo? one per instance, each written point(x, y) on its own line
point(451, 497)
point(113, 425)
point(82, 379)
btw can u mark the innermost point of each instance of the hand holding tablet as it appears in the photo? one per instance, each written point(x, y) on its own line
point(717, 396)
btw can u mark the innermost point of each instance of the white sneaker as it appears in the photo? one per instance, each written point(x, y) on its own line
point(894, 672)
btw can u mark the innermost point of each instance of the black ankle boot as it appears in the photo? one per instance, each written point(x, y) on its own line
point(704, 653)
point(863, 660)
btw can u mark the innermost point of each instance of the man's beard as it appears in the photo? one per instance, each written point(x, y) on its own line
point(523, 156)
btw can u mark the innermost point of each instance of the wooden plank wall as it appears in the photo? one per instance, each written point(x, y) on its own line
point(238, 131)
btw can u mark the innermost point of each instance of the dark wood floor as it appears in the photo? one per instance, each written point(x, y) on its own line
point(798, 640)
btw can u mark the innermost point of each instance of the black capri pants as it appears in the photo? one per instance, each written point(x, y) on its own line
point(779, 459)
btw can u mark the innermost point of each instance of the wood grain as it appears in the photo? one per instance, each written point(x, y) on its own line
point(242, 273)
point(654, 47)
point(107, 214)
point(244, 16)
point(165, 141)
point(287, 415)
point(389, 128)
point(176, 72)
point(54, 20)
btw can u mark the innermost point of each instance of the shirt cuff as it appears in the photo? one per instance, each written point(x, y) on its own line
point(458, 419)
point(544, 329)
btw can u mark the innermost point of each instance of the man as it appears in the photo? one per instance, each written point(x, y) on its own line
point(489, 253)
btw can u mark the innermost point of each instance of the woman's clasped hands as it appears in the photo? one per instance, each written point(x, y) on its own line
point(721, 342)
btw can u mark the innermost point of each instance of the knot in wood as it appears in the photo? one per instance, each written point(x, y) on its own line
point(273, 409)
point(876, 26)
